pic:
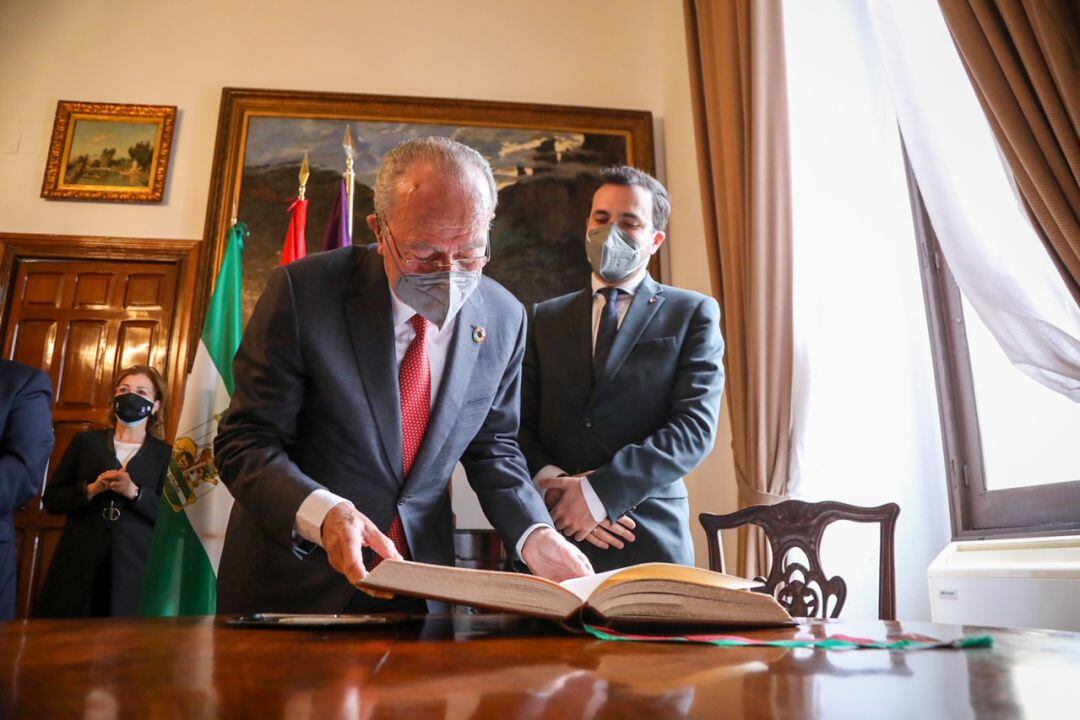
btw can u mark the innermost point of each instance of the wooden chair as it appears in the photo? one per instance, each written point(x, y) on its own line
point(479, 550)
point(797, 525)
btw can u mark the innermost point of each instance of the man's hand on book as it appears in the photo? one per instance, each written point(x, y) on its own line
point(345, 533)
point(549, 556)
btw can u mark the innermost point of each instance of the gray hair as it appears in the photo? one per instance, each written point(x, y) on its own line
point(626, 175)
point(454, 157)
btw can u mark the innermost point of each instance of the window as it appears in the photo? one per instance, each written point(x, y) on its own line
point(884, 347)
point(1011, 443)
point(1012, 446)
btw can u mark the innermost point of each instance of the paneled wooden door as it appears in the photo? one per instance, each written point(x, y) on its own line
point(82, 309)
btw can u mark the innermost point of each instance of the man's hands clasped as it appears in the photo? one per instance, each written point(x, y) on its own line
point(565, 500)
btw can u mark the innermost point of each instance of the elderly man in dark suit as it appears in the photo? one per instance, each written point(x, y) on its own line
point(621, 388)
point(363, 377)
point(26, 441)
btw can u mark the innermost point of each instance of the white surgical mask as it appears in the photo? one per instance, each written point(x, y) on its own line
point(613, 254)
point(436, 296)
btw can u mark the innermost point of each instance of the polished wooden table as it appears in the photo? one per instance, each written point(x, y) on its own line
point(503, 667)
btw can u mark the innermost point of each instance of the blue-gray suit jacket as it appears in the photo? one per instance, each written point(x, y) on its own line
point(317, 405)
point(26, 441)
point(646, 421)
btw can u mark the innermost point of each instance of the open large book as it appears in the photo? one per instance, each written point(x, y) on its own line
point(654, 593)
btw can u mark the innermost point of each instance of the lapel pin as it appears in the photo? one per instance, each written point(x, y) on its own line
point(478, 334)
point(652, 300)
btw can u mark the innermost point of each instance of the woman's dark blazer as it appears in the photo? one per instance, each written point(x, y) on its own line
point(88, 538)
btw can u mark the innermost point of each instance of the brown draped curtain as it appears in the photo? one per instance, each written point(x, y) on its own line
point(740, 107)
point(1023, 58)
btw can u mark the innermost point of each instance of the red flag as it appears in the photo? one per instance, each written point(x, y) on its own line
point(295, 242)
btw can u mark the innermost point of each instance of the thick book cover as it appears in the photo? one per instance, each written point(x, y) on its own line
point(647, 594)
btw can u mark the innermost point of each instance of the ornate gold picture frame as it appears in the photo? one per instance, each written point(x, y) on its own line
point(109, 151)
point(545, 157)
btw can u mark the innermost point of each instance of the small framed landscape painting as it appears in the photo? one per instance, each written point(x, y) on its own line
point(109, 151)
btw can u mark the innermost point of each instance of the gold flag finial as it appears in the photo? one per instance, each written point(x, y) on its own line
point(305, 173)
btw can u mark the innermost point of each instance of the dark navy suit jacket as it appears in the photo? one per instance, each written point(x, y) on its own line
point(647, 420)
point(317, 405)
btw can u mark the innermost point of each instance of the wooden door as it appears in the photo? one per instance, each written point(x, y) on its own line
point(82, 309)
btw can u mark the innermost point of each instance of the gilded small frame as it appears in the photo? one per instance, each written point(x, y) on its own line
point(109, 151)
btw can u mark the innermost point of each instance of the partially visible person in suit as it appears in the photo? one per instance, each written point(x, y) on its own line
point(108, 483)
point(26, 441)
point(364, 376)
point(621, 388)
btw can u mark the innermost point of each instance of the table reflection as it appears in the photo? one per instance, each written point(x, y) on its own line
point(482, 666)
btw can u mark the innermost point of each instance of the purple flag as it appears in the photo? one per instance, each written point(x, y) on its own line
point(337, 230)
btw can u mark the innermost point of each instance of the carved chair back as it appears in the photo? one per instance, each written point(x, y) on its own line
point(794, 525)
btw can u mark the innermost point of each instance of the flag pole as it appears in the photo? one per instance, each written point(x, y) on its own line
point(350, 176)
point(295, 246)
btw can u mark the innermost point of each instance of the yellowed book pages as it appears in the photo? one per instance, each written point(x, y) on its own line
point(651, 592)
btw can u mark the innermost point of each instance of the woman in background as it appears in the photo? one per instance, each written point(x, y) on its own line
point(108, 484)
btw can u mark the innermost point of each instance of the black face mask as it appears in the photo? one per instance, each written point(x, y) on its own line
point(131, 408)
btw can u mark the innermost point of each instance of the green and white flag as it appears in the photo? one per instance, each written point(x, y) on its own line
point(181, 577)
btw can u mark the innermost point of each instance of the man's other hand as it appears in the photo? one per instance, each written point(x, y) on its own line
point(549, 555)
point(345, 533)
point(613, 535)
point(570, 511)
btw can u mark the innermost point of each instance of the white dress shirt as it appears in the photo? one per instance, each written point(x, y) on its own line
point(312, 512)
point(622, 304)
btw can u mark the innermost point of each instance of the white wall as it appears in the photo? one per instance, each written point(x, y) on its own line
point(603, 53)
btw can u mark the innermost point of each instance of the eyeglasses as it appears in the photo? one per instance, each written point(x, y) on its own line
point(432, 264)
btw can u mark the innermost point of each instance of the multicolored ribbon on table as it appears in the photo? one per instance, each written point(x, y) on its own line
point(831, 642)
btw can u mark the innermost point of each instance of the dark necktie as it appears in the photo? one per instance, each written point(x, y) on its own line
point(605, 331)
point(414, 379)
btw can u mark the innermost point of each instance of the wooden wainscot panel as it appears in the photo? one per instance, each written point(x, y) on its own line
point(82, 308)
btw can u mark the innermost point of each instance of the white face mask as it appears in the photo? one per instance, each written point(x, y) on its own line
point(436, 296)
point(613, 254)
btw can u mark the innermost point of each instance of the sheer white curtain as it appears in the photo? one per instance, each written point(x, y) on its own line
point(995, 256)
point(866, 427)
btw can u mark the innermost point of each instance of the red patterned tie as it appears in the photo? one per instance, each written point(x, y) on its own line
point(414, 378)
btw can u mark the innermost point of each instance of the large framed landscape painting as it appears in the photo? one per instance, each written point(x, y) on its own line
point(546, 160)
point(109, 151)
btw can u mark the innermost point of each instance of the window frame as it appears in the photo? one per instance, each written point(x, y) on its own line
point(975, 512)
